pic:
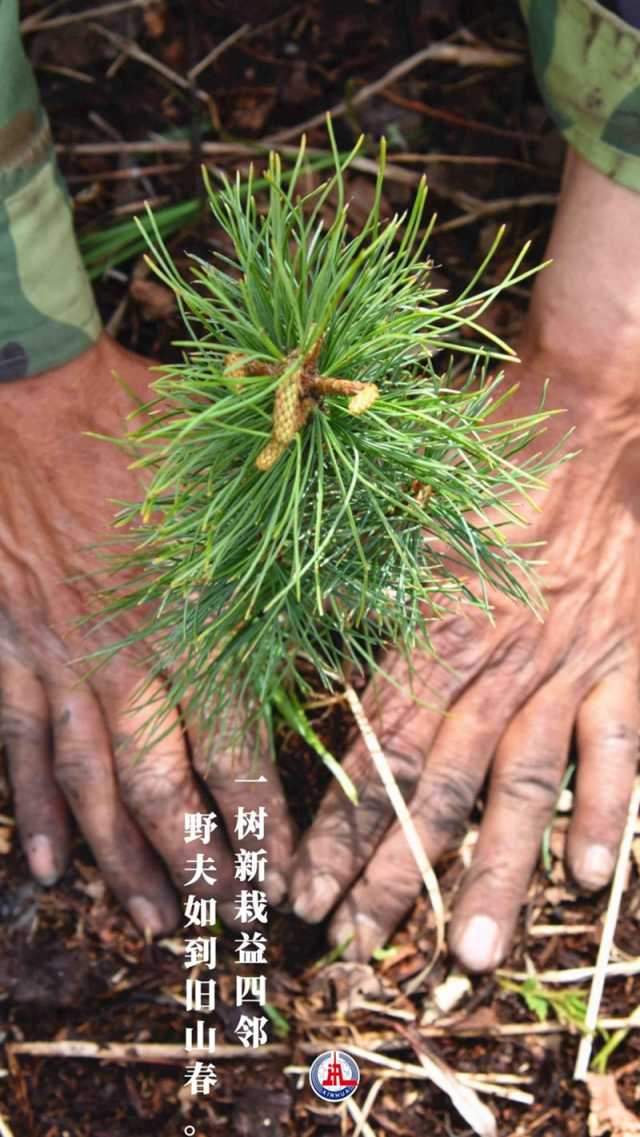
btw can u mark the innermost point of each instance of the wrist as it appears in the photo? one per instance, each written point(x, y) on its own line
point(584, 319)
point(83, 394)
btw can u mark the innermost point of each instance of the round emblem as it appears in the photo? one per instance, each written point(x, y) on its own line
point(334, 1075)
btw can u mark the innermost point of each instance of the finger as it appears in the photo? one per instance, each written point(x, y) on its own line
point(525, 783)
point(344, 837)
point(41, 814)
point(607, 735)
point(159, 786)
point(242, 776)
point(84, 771)
point(450, 783)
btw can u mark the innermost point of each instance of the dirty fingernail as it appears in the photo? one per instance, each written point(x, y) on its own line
point(42, 862)
point(146, 915)
point(480, 945)
point(318, 897)
point(595, 866)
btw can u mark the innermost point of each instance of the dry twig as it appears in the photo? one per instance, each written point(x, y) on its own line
point(217, 51)
point(604, 952)
point(412, 836)
point(501, 205)
point(560, 929)
point(156, 1053)
point(368, 1105)
point(130, 48)
point(392, 171)
point(464, 55)
point(575, 974)
point(496, 1089)
point(38, 22)
point(432, 1069)
point(357, 1115)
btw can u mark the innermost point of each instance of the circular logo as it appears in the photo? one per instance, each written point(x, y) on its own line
point(334, 1075)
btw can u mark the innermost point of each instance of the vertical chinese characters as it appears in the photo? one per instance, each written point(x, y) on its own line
point(250, 908)
point(250, 911)
point(200, 951)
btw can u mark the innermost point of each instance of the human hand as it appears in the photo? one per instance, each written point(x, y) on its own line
point(516, 691)
point(68, 740)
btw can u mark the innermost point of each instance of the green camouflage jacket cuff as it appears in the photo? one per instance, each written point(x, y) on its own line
point(587, 63)
point(47, 310)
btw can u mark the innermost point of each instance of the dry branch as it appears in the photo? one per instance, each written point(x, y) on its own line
point(606, 942)
point(412, 836)
point(575, 974)
point(463, 54)
point(217, 51)
point(156, 1053)
point(38, 21)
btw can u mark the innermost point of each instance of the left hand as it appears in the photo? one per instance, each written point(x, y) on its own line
point(514, 692)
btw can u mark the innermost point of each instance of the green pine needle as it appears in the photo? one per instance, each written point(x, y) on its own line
point(332, 551)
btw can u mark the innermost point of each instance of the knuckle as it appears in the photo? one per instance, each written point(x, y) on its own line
point(226, 758)
point(530, 785)
point(448, 800)
point(457, 642)
point(406, 763)
point(513, 655)
point(20, 726)
point(405, 759)
point(73, 772)
point(150, 786)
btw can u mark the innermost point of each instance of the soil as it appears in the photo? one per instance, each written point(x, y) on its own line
point(72, 965)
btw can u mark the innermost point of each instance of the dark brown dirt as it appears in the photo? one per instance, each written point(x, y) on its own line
point(71, 964)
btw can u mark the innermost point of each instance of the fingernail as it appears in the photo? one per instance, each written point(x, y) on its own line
point(316, 900)
point(364, 933)
point(146, 915)
point(480, 945)
point(42, 862)
point(275, 886)
point(595, 866)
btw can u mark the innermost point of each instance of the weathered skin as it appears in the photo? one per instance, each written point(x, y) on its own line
point(587, 63)
point(68, 740)
point(514, 692)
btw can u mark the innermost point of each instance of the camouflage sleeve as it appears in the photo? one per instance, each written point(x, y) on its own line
point(47, 311)
point(587, 63)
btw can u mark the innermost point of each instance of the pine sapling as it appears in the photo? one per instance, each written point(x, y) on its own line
point(321, 483)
